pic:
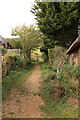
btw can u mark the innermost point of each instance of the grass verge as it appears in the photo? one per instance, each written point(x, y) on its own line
point(57, 108)
point(16, 79)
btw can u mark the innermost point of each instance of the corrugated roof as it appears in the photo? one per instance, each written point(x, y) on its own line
point(75, 44)
point(3, 40)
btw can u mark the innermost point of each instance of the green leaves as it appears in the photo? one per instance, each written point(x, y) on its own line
point(29, 38)
point(57, 20)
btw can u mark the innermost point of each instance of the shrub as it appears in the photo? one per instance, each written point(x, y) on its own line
point(3, 51)
point(58, 88)
point(59, 82)
point(57, 53)
point(67, 80)
point(18, 61)
point(33, 60)
point(13, 55)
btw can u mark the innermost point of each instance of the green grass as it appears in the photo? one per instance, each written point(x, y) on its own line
point(11, 113)
point(16, 79)
point(34, 61)
point(54, 108)
point(58, 109)
point(18, 101)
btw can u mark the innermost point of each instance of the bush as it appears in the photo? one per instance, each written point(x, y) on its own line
point(33, 60)
point(67, 80)
point(16, 79)
point(57, 53)
point(3, 51)
point(18, 61)
point(60, 82)
point(13, 55)
point(57, 88)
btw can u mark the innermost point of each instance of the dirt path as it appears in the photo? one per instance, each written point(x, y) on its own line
point(22, 106)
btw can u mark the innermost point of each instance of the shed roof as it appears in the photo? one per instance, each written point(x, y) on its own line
point(3, 40)
point(75, 44)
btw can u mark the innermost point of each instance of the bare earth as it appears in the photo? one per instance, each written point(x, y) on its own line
point(22, 106)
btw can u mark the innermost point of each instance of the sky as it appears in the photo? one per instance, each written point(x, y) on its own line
point(15, 13)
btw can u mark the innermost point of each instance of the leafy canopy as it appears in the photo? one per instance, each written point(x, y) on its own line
point(29, 38)
point(58, 21)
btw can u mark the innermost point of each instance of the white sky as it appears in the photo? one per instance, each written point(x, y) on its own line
point(14, 12)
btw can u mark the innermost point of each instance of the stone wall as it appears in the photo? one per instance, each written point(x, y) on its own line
point(16, 51)
point(6, 66)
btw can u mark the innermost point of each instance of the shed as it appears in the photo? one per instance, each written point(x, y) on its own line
point(74, 52)
point(4, 42)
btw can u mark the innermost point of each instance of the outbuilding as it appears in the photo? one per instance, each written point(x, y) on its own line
point(74, 52)
point(4, 43)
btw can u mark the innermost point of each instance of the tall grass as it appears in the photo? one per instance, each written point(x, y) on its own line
point(68, 80)
point(15, 78)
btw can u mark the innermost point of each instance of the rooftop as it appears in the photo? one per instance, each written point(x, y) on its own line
point(3, 40)
point(75, 44)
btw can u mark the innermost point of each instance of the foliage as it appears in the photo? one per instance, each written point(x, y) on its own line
point(2, 50)
point(18, 61)
point(15, 79)
point(56, 54)
point(58, 21)
point(29, 38)
point(60, 83)
point(36, 52)
point(11, 55)
point(57, 106)
point(34, 61)
point(15, 43)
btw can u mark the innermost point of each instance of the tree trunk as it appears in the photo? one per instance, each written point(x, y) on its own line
point(28, 57)
point(46, 57)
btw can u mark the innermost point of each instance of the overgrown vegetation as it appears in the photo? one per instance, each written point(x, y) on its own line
point(57, 89)
point(17, 61)
point(57, 21)
point(57, 26)
point(16, 76)
point(60, 86)
point(28, 38)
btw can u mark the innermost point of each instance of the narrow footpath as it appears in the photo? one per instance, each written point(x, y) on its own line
point(22, 106)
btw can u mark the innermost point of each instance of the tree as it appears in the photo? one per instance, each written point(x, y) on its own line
point(15, 43)
point(46, 44)
point(29, 38)
point(58, 21)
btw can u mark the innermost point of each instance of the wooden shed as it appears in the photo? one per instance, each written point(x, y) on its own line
point(74, 52)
